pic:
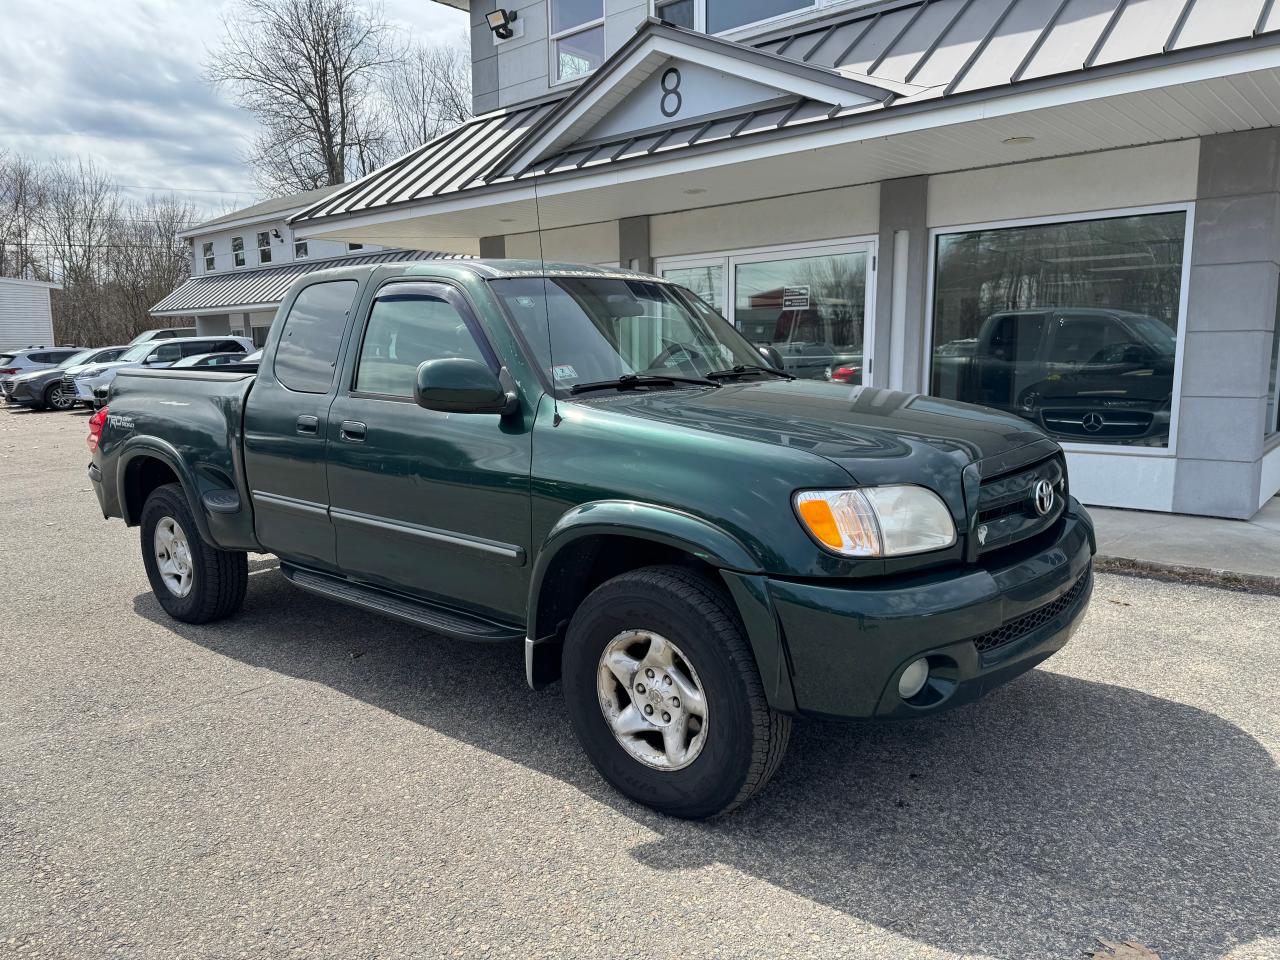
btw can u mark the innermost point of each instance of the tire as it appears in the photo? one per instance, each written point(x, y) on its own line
point(54, 398)
point(742, 739)
point(215, 580)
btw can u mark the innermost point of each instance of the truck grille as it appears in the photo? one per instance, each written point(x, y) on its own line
point(1007, 504)
point(1019, 627)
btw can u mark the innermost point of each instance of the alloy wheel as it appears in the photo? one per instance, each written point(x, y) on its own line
point(652, 699)
point(173, 557)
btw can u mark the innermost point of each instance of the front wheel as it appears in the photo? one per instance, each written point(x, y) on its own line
point(193, 581)
point(56, 398)
point(664, 694)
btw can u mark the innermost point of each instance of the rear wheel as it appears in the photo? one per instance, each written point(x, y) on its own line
point(665, 697)
point(194, 581)
point(56, 398)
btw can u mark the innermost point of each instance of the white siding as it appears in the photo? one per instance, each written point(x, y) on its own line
point(281, 250)
point(26, 316)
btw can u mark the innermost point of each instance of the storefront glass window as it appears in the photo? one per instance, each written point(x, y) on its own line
point(811, 309)
point(728, 14)
point(707, 282)
point(1070, 325)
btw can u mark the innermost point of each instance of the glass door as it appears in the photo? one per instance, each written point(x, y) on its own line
point(812, 304)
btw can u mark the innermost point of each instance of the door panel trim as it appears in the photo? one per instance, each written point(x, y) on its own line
point(307, 507)
point(508, 551)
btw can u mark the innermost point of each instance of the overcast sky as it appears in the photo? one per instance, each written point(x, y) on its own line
point(119, 81)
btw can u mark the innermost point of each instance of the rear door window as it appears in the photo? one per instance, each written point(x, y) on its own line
point(307, 353)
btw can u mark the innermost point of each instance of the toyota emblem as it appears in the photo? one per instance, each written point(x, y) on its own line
point(1042, 496)
point(1093, 422)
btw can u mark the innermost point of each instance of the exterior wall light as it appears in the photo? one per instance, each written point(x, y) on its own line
point(500, 23)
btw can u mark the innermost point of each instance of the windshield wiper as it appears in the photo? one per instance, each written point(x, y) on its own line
point(629, 381)
point(743, 369)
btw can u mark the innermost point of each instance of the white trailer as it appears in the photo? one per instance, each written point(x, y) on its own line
point(26, 313)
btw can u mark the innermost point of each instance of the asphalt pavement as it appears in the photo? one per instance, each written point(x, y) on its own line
point(308, 780)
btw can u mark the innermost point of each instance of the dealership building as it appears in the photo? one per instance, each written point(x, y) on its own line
point(1068, 209)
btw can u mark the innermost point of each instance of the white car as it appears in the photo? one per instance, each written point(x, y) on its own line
point(153, 354)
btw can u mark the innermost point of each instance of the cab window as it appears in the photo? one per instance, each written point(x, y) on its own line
point(405, 331)
point(307, 353)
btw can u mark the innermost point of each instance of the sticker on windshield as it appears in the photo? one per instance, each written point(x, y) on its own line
point(564, 371)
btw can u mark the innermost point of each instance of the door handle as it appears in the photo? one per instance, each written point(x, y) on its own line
point(353, 430)
point(308, 425)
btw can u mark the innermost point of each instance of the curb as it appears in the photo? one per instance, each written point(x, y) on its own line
point(1176, 573)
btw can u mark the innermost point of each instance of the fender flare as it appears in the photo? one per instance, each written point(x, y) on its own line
point(146, 446)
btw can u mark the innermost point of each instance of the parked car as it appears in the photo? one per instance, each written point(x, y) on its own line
point(211, 359)
point(15, 362)
point(163, 333)
point(1080, 373)
point(153, 354)
point(594, 464)
point(46, 389)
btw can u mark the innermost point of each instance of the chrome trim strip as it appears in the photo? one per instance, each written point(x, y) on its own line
point(508, 550)
point(306, 507)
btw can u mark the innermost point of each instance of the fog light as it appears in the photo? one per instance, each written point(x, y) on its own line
point(913, 679)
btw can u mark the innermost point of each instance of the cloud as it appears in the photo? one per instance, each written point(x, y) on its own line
point(119, 82)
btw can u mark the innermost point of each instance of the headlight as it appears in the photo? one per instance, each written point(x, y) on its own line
point(876, 521)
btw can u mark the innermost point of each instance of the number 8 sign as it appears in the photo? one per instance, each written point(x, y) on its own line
point(671, 101)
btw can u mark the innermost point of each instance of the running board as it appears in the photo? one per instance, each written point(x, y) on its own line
point(430, 616)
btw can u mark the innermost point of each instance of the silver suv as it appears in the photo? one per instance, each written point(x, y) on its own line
point(15, 362)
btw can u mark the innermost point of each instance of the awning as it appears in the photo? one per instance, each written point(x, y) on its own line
point(263, 288)
point(896, 89)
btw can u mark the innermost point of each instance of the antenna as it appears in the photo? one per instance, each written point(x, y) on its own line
point(546, 307)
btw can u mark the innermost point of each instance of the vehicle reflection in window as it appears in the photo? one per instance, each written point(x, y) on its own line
point(1072, 326)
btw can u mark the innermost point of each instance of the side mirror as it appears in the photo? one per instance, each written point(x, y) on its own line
point(154, 358)
point(771, 356)
point(457, 385)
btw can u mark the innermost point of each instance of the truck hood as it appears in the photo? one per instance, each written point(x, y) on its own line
point(876, 435)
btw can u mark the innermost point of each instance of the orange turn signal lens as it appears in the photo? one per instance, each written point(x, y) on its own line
point(821, 522)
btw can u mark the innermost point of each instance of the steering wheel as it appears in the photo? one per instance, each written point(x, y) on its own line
point(669, 351)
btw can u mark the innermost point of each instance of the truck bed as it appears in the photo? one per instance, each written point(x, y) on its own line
point(192, 421)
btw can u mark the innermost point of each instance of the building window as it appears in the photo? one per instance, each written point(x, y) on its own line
point(264, 247)
point(351, 247)
point(577, 38)
point(237, 251)
point(300, 250)
point(1071, 325)
point(206, 251)
point(721, 16)
point(810, 304)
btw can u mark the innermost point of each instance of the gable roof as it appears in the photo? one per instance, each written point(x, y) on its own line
point(897, 56)
point(265, 209)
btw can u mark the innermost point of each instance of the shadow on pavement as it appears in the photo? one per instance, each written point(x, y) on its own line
point(1053, 811)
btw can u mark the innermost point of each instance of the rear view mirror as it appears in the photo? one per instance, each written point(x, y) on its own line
point(771, 356)
point(458, 385)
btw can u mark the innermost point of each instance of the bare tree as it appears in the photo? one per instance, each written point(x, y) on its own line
point(22, 198)
point(425, 93)
point(308, 70)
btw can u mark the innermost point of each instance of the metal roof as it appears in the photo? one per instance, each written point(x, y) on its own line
point(953, 46)
point(266, 286)
point(919, 50)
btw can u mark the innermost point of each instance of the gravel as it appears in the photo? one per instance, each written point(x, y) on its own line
point(311, 780)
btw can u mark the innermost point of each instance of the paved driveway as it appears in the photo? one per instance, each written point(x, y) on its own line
point(308, 780)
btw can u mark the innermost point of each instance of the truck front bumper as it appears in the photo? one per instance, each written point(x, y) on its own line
point(977, 626)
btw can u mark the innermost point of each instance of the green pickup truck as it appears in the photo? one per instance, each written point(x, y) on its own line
point(596, 464)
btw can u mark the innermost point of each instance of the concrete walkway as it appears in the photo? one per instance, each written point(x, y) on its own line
point(1245, 553)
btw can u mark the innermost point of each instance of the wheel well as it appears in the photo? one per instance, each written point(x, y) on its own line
point(586, 563)
point(142, 476)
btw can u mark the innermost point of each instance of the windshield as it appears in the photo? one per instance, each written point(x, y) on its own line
point(605, 328)
point(140, 352)
point(75, 358)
